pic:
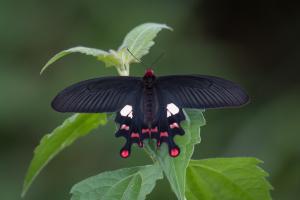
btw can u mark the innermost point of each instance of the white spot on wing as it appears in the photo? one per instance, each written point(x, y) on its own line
point(168, 114)
point(127, 110)
point(172, 108)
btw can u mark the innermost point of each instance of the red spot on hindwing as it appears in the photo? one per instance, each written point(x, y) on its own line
point(145, 130)
point(141, 144)
point(124, 153)
point(174, 125)
point(155, 129)
point(124, 127)
point(158, 143)
point(174, 152)
point(135, 135)
point(150, 130)
point(164, 134)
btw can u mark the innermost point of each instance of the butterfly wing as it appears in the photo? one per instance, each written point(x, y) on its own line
point(201, 91)
point(106, 94)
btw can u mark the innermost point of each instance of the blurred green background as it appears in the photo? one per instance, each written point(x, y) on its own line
point(254, 43)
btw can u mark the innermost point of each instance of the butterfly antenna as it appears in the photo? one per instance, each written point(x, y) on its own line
point(145, 65)
point(158, 58)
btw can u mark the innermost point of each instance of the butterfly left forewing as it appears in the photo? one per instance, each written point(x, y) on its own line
point(106, 94)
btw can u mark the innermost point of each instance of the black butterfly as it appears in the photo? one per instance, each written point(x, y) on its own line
point(149, 106)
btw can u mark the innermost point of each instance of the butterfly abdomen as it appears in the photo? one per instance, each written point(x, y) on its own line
point(149, 101)
point(149, 106)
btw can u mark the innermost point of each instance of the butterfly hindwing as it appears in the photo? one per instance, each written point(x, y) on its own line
point(129, 128)
point(165, 128)
point(169, 126)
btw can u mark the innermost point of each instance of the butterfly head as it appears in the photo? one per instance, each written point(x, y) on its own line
point(149, 73)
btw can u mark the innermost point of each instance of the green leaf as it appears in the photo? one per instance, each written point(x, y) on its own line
point(109, 58)
point(51, 144)
point(140, 40)
point(227, 179)
point(175, 168)
point(124, 184)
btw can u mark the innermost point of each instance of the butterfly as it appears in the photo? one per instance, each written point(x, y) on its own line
point(149, 107)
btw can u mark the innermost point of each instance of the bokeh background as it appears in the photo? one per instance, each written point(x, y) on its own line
point(254, 43)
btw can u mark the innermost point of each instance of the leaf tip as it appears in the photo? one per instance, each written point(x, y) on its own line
point(24, 191)
point(43, 69)
point(52, 60)
point(168, 27)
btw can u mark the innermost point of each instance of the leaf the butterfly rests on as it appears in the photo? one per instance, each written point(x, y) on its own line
point(175, 169)
point(133, 183)
point(149, 107)
point(227, 178)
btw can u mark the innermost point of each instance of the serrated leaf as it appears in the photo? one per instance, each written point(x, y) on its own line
point(74, 127)
point(227, 179)
point(140, 40)
point(107, 57)
point(124, 184)
point(175, 168)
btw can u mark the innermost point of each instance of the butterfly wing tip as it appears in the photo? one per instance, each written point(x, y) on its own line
point(55, 106)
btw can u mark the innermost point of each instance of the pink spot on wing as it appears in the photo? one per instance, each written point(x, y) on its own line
point(158, 143)
point(135, 135)
point(154, 129)
point(164, 134)
point(141, 144)
point(124, 127)
point(145, 130)
point(174, 125)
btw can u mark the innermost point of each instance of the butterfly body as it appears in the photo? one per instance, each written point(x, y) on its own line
point(150, 100)
point(149, 107)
